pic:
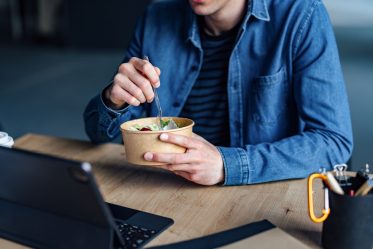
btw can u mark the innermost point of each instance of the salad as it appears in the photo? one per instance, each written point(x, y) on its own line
point(165, 125)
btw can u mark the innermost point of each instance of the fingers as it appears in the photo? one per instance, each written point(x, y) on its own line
point(122, 82)
point(202, 163)
point(147, 69)
point(198, 137)
point(168, 158)
point(183, 174)
point(118, 97)
point(188, 168)
point(183, 141)
point(134, 83)
point(191, 176)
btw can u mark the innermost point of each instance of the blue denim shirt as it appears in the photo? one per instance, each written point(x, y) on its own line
point(288, 107)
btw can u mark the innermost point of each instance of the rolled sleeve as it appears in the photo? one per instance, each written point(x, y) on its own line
point(110, 111)
point(236, 166)
point(102, 123)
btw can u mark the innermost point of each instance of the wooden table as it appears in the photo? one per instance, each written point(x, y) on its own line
point(196, 210)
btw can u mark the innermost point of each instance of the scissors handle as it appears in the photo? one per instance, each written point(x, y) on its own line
point(326, 210)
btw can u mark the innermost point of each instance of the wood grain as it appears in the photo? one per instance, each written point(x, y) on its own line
point(196, 210)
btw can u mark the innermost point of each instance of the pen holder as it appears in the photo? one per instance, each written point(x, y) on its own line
point(350, 222)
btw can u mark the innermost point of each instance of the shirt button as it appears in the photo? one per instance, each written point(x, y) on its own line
point(176, 104)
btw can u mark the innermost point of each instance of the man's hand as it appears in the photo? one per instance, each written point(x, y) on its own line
point(201, 163)
point(133, 84)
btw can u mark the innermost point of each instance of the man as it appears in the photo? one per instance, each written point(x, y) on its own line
point(261, 79)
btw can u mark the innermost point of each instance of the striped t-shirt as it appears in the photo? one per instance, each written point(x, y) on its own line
point(207, 103)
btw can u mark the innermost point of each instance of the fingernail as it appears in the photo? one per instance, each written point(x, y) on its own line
point(150, 100)
point(148, 156)
point(163, 136)
point(136, 103)
point(157, 84)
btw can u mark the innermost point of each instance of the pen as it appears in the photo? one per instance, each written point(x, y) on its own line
point(333, 184)
point(365, 188)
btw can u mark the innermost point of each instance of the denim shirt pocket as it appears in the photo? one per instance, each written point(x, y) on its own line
point(270, 94)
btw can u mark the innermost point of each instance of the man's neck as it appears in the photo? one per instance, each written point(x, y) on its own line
point(226, 18)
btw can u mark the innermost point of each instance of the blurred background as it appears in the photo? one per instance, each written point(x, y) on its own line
point(57, 54)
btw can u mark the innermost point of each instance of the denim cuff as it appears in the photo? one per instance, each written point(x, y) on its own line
point(236, 165)
point(110, 118)
point(112, 112)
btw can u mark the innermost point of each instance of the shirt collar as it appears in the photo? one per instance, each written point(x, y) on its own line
point(256, 8)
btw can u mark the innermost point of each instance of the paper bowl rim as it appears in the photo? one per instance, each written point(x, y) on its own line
point(155, 132)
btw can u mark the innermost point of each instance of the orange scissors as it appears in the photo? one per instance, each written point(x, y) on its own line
point(326, 210)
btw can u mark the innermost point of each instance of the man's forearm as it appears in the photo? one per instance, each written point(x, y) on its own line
point(292, 157)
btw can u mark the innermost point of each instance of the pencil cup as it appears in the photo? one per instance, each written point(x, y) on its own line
point(350, 223)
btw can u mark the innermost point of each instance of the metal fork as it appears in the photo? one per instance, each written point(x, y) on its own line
point(157, 102)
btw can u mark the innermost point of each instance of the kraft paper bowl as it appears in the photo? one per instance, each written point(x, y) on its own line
point(137, 143)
